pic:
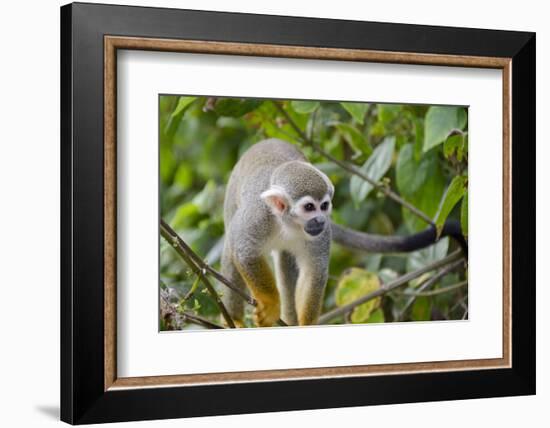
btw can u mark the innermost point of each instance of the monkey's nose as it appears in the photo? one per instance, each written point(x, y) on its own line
point(315, 226)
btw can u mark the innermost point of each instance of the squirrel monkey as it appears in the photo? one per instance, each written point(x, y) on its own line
point(277, 202)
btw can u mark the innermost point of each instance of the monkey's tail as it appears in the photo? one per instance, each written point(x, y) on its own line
point(395, 244)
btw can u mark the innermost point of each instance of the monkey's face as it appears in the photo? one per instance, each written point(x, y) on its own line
point(300, 197)
point(307, 214)
point(312, 215)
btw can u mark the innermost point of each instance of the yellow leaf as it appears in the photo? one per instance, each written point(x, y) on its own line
point(354, 284)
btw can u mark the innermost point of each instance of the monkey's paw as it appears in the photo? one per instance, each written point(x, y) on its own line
point(266, 314)
point(239, 323)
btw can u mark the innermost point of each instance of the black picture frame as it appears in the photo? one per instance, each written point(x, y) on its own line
point(83, 396)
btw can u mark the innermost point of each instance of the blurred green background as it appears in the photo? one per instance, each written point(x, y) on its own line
point(418, 151)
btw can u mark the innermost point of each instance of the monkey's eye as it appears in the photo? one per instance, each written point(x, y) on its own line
point(324, 206)
point(309, 207)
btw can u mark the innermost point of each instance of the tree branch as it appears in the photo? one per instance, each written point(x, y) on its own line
point(200, 268)
point(169, 313)
point(167, 308)
point(386, 288)
point(195, 319)
point(176, 241)
point(353, 169)
point(438, 291)
point(218, 301)
point(428, 283)
point(192, 289)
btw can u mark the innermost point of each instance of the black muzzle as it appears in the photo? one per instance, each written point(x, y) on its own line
point(315, 226)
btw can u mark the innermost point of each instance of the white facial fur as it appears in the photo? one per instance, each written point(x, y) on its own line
point(294, 215)
point(301, 212)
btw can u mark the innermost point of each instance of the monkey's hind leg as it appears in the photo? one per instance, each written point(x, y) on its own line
point(232, 301)
point(286, 272)
point(259, 279)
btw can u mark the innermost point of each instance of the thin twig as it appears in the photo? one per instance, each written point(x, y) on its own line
point(174, 240)
point(428, 283)
point(199, 267)
point(195, 319)
point(169, 313)
point(436, 292)
point(353, 169)
point(218, 301)
point(392, 285)
point(192, 289)
point(182, 316)
point(174, 237)
point(312, 125)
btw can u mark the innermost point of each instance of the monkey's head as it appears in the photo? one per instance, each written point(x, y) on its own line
point(300, 196)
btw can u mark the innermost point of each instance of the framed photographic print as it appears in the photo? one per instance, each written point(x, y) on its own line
point(276, 213)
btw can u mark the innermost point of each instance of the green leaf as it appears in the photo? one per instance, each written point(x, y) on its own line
point(186, 216)
point(373, 262)
point(380, 223)
point(427, 197)
point(418, 137)
point(356, 110)
point(464, 215)
point(235, 107)
point(167, 163)
point(426, 256)
point(454, 193)
point(184, 176)
point(356, 283)
point(422, 309)
point(376, 316)
point(387, 275)
point(176, 116)
point(410, 174)
point(375, 167)
point(206, 200)
point(439, 123)
point(183, 104)
point(454, 146)
point(304, 107)
point(354, 138)
point(377, 129)
point(388, 112)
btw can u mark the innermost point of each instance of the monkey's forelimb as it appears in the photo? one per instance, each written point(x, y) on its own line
point(286, 273)
point(386, 244)
point(312, 280)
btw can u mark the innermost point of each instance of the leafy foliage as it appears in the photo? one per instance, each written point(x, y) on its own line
point(440, 122)
point(375, 167)
point(357, 111)
point(419, 152)
point(354, 284)
point(453, 194)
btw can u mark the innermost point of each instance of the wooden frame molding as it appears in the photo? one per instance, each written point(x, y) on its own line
point(113, 43)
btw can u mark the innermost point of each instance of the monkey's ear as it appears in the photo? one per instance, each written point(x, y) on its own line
point(276, 199)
